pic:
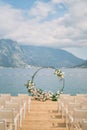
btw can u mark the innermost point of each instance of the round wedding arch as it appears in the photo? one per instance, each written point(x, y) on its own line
point(39, 94)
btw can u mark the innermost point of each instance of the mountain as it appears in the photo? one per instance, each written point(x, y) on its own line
point(83, 65)
point(13, 55)
point(44, 56)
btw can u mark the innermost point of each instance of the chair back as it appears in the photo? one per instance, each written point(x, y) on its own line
point(7, 97)
point(15, 106)
point(2, 102)
point(80, 114)
point(84, 124)
point(84, 105)
point(2, 125)
point(7, 114)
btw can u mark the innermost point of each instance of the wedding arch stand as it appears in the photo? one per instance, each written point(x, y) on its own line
point(39, 94)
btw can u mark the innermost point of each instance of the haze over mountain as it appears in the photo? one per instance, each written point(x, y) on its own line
point(13, 55)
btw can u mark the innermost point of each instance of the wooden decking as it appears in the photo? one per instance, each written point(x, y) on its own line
point(43, 116)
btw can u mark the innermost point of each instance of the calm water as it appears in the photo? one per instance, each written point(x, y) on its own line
point(12, 80)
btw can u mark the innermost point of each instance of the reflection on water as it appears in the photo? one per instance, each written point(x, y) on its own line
point(12, 80)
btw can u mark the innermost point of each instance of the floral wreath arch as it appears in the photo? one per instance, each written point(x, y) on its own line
point(40, 94)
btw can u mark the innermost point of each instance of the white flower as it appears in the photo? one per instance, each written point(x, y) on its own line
point(59, 73)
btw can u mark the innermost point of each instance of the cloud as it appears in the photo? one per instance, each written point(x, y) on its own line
point(40, 10)
point(10, 19)
point(42, 24)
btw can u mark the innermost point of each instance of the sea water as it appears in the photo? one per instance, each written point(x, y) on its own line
point(13, 80)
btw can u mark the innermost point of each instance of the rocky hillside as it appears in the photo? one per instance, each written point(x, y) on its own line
point(13, 55)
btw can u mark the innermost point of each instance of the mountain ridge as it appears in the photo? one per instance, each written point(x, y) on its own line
point(50, 56)
point(14, 55)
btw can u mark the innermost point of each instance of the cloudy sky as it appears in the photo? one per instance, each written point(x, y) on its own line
point(53, 23)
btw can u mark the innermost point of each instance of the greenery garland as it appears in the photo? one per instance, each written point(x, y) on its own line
point(39, 94)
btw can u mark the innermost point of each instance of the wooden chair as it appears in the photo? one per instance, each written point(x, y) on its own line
point(69, 111)
point(84, 105)
point(2, 102)
point(27, 99)
point(18, 111)
point(60, 101)
point(10, 117)
point(84, 124)
point(3, 125)
point(22, 107)
point(7, 97)
point(76, 118)
point(84, 95)
point(81, 98)
point(65, 101)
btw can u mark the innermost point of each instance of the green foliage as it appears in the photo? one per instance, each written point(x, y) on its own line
point(39, 93)
point(54, 97)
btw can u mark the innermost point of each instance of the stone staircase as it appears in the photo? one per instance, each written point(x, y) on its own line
point(43, 116)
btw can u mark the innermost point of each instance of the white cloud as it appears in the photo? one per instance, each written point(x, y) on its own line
point(34, 27)
point(10, 19)
point(40, 10)
point(57, 1)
